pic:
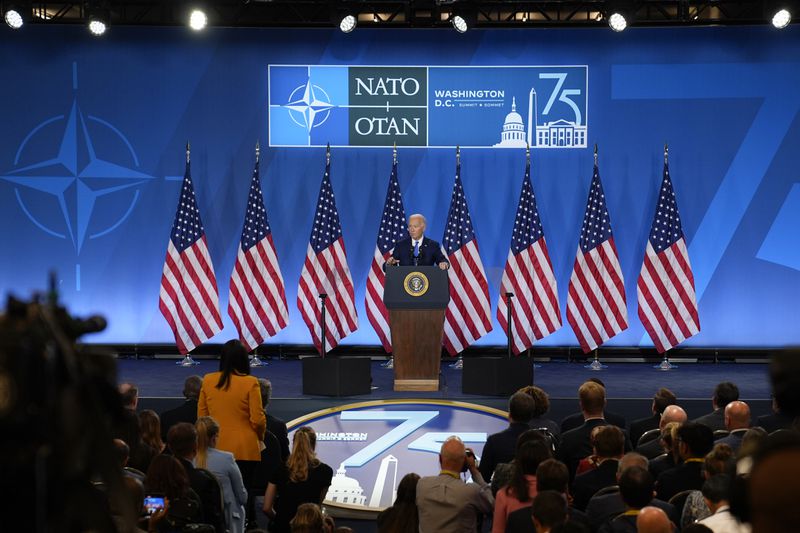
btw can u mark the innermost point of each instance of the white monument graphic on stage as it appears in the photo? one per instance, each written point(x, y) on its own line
point(345, 489)
point(556, 134)
point(385, 489)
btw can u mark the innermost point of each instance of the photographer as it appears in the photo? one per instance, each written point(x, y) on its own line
point(448, 503)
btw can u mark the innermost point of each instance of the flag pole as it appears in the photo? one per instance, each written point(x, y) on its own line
point(533, 294)
point(187, 361)
point(256, 361)
point(665, 364)
point(322, 297)
point(459, 363)
point(510, 332)
point(595, 364)
point(389, 364)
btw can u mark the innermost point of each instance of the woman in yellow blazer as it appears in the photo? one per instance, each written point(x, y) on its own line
point(233, 397)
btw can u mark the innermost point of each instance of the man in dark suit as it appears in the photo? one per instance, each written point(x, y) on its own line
point(636, 491)
point(275, 425)
point(500, 447)
point(605, 507)
point(187, 411)
point(694, 442)
point(654, 448)
point(661, 400)
point(576, 419)
point(182, 442)
point(418, 250)
point(609, 445)
point(775, 421)
point(576, 443)
point(724, 393)
point(737, 422)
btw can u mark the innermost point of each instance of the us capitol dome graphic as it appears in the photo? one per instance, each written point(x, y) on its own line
point(559, 133)
point(345, 489)
point(513, 135)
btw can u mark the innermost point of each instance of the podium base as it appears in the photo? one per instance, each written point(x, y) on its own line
point(496, 376)
point(416, 384)
point(336, 376)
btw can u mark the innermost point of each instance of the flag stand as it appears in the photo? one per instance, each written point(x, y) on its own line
point(596, 364)
point(389, 364)
point(257, 361)
point(459, 364)
point(187, 361)
point(665, 364)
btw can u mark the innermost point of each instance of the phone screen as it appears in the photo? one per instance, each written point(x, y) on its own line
point(153, 504)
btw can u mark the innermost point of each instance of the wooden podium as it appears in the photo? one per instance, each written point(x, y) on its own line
point(416, 297)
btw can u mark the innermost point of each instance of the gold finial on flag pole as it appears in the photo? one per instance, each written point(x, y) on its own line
point(394, 153)
point(187, 151)
point(328, 154)
point(666, 153)
point(258, 150)
point(595, 154)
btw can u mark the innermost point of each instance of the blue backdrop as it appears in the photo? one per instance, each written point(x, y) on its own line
point(116, 112)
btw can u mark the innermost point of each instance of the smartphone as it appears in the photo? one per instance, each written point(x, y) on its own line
point(153, 503)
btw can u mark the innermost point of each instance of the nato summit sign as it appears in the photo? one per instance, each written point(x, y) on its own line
point(372, 445)
point(490, 107)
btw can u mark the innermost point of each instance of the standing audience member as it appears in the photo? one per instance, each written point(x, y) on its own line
point(609, 445)
point(150, 426)
point(182, 442)
point(167, 477)
point(715, 493)
point(542, 405)
point(445, 502)
point(654, 448)
point(653, 520)
point(549, 510)
point(305, 479)
point(275, 425)
point(128, 428)
point(695, 440)
point(403, 516)
point(737, 422)
point(187, 411)
point(720, 460)
point(724, 393)
point(233, 398)
point(500, 447)
point(576, 443)
point(576, 419)
point(223, 466)
point(503, 471)
point(661, 400)
point(308, 519)
point(521, 490)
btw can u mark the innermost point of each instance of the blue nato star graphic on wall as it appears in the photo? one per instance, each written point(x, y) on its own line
point(77, 176)
point(309, 105)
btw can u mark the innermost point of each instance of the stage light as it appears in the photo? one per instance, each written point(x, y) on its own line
point(97, 27)
point(617, 21)
point(348, 23)
point(781, 18)
point(198, 20)
point(459, 23)
point(13, 18)
point(98, 19)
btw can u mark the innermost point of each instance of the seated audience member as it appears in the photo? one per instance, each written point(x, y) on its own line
point(669, 458)
point(577, 419)
point(122, 452)
point(522, 487)
point(128, 428)
point(402, 516)
point(724, 393)
point(653, 520)
point(774, 481)
point(592, 461)
point(576, 443)
point(541, 401)
point(609, 445)
point(187, 411)
point(774, 421)
point(128, 510)
point(308, 519)
point(503, 471)
point(715, 493)
point(445, 502)
point(720, 460)
point(182, 442)
point(304, 479)
point(661, 400)
point(499, 447)
point(696, 528)
point(694, 442)
point(604, 507)
point(737, 422)
point(654, 448)
point(275, 425)
point(636, 490)
point(751, 443)
point(549, 509)
point(223, 466)
point(166, 476)
point(150, 427)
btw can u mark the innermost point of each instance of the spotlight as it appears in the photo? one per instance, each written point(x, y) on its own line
point(459, 23)
point(98, 19)
point(617, 21)
point(780, 19)
point(97, 27)
point(348, 23)
point(198, 20)
point(13, 17)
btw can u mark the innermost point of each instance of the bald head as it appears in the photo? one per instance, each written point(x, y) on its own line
point(672, 413)
point(653, 520)
point(737, 415)
point(452, 454)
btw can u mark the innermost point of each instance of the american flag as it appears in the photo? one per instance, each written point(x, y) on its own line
point(188, 297)
point(468, 316)
point(665, 290)
point(529, 276)
point(596, 306)
point(325, 271)
point(392, 229)
point(257, 299)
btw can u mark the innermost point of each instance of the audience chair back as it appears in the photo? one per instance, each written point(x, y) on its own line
point(720, 434)
point(680, 499)
point(647, 436)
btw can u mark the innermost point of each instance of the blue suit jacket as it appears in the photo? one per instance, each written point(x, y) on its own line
point(430, 252)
